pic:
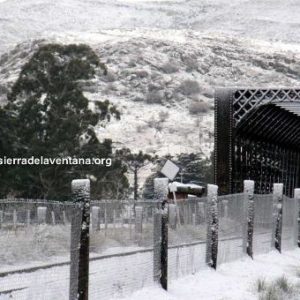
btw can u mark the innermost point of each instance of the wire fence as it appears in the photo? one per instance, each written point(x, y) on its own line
point(35, 233)
point(130, 246)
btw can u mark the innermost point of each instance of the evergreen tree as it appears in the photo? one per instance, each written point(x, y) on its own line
point(135, 161)
point(48, 115)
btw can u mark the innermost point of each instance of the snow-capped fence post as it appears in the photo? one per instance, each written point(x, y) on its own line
point(212, 226)
point(249, 214)
point(79, 269)
point(297, 197)
point(160, 247)
point(277, 215)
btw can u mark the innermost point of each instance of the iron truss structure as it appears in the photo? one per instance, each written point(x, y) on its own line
point(257, 137)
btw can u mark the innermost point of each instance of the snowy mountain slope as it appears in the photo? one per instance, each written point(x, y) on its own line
point(165, 58)
point(157, 80)
point(267, 20)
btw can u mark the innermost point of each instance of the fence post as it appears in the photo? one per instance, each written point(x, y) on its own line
point(160, 247)
point(79, 269)
point(96, 218)
point(172, 216)
point(249, 222)
point(64, 217)
point(277, 215)
point(297, 197)
point(212, 226)
point(41, 214)
point(15, 219)
point(28, 217)
point(156, 245)
point(138, 220)
point(53, 217)
point(164, 249)
point(225, 202)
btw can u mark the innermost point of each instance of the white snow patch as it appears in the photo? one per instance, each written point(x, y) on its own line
point(231, 281)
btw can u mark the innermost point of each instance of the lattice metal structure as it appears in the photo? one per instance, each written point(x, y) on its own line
point(257, 137)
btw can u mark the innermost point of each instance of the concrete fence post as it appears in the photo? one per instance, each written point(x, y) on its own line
point(157, 245)
point(138, 219)
point(164, 249)
point(249, 217)
point(79, 269)
point(15, 219)
point(212, 226)
point(160, 247)
point(28, 213)
point(297, 198)
point(277, 215)
point(172, 216)
point(53, 217)
point(225, 202)
point(41, 214)
point(96, 218)
point(64, 217)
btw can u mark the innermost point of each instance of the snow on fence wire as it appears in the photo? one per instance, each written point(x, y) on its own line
point(134, 244)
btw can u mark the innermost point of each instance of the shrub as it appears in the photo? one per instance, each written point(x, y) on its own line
point(283, 284)
point(280, 289)
point(261, 285)
point(198, 107)
point(169, 67)
point(154, 97)
point(141, 73)
point(189, 87)
point(109, 77)
point(163, 116)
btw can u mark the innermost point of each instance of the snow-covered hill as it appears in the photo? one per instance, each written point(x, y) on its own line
point(268, 20)
point(165, 58)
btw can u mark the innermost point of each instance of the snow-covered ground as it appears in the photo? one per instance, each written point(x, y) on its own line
point(109, 278)
point(235, 281)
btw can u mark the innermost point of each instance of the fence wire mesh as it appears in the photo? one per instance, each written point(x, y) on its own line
point(35, 239)
point(232, 220)
point(187, 237)
point(121, 247)
point(289, 223)
point(263, 224)
point(35, 249)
